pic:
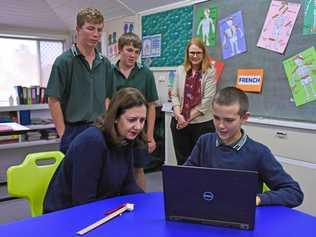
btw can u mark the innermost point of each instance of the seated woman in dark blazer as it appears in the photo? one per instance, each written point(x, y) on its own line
point(99, 162)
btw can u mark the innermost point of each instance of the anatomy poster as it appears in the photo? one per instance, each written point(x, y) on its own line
point(309, 17)
point(301, 74)
point(205, 24)
point(278, 25)
point(232, 35)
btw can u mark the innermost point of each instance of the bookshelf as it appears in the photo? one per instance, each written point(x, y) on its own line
point(29, 144)
point(39, 119)
point(24, 107)
point(39, 138)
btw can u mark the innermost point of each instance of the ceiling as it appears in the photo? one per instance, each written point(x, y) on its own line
point(59, 15)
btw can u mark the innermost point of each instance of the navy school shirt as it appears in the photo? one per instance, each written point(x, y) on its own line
point(91, 171)
point(249, 155)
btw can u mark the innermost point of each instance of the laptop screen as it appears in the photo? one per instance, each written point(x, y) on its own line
point(209, 195)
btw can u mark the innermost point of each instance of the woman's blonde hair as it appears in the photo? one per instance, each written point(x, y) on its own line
point(205, 64)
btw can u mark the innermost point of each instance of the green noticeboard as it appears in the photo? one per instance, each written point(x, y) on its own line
point(175, 28)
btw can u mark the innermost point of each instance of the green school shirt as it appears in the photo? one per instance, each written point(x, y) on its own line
point(140, 78)
point(80, 89)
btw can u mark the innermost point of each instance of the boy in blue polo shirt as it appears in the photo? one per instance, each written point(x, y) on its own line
point(231, 148)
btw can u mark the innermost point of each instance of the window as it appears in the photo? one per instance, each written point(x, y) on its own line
point(25, 62)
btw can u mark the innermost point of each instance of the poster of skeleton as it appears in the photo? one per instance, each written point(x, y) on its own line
point(301, 74)
point(309, 17)
point(205, 24)
point(278, 25)
point(232, 35)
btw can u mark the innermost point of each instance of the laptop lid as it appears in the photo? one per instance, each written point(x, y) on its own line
point(210, 196)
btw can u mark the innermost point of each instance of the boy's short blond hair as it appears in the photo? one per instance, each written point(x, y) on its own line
point(91, 15)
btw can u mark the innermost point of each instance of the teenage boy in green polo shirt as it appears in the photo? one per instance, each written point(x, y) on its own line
point(76, 88)
point(128, 73)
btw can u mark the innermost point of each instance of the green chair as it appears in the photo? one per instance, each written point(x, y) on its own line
point(265, 188)
point(31, 178)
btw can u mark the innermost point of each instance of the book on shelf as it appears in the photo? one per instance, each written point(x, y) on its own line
point(9, 139)
point(43, 98)
point(5, 128)
point(24, 95)
point(32, 136)
point(49, 134)
point(25, 117)
point(31, 95)
point(41, 121)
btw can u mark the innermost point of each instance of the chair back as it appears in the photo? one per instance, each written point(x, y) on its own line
point(265, 188)
point(31, 178)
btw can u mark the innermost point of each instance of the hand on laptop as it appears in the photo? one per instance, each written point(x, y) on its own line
point(258, 200)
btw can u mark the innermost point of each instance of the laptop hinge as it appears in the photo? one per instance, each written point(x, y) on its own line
point(238, 225)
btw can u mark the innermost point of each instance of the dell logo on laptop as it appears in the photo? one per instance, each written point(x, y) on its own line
point(208, 196)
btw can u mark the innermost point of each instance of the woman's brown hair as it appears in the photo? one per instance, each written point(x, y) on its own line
point(122, 100)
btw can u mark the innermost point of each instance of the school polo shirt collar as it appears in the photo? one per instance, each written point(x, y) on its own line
point(137, 67)
point(236, 145)
point(76, 52)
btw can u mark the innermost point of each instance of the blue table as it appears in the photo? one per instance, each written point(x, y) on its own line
point(147, 219)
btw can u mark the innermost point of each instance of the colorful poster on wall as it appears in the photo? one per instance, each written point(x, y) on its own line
point(151, 46)
point(278, 25)
point(128, 27)
point(232, 35)
point(309, 17)
point(205, 24)
point(113, 53)
point(250, 79)
point(301, 74)
point(219, 67)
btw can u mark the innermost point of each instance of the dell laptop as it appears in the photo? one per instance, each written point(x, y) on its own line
point(210, 195)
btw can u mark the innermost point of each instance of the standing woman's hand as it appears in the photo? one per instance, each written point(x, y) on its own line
point(181, 122)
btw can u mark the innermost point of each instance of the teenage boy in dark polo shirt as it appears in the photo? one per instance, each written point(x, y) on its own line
point(231, 148)
point(128, 73)
point(76, 88)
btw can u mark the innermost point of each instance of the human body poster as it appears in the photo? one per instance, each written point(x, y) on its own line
point(309, 17)
point(232, 35)
point(301, 74)
point(278, 25)
point(206, 19)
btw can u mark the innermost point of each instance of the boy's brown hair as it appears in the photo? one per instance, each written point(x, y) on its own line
point(129, 39)
point(232, 95)
point(91, 15)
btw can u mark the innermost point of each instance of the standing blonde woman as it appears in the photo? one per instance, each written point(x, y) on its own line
point(192, 94)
